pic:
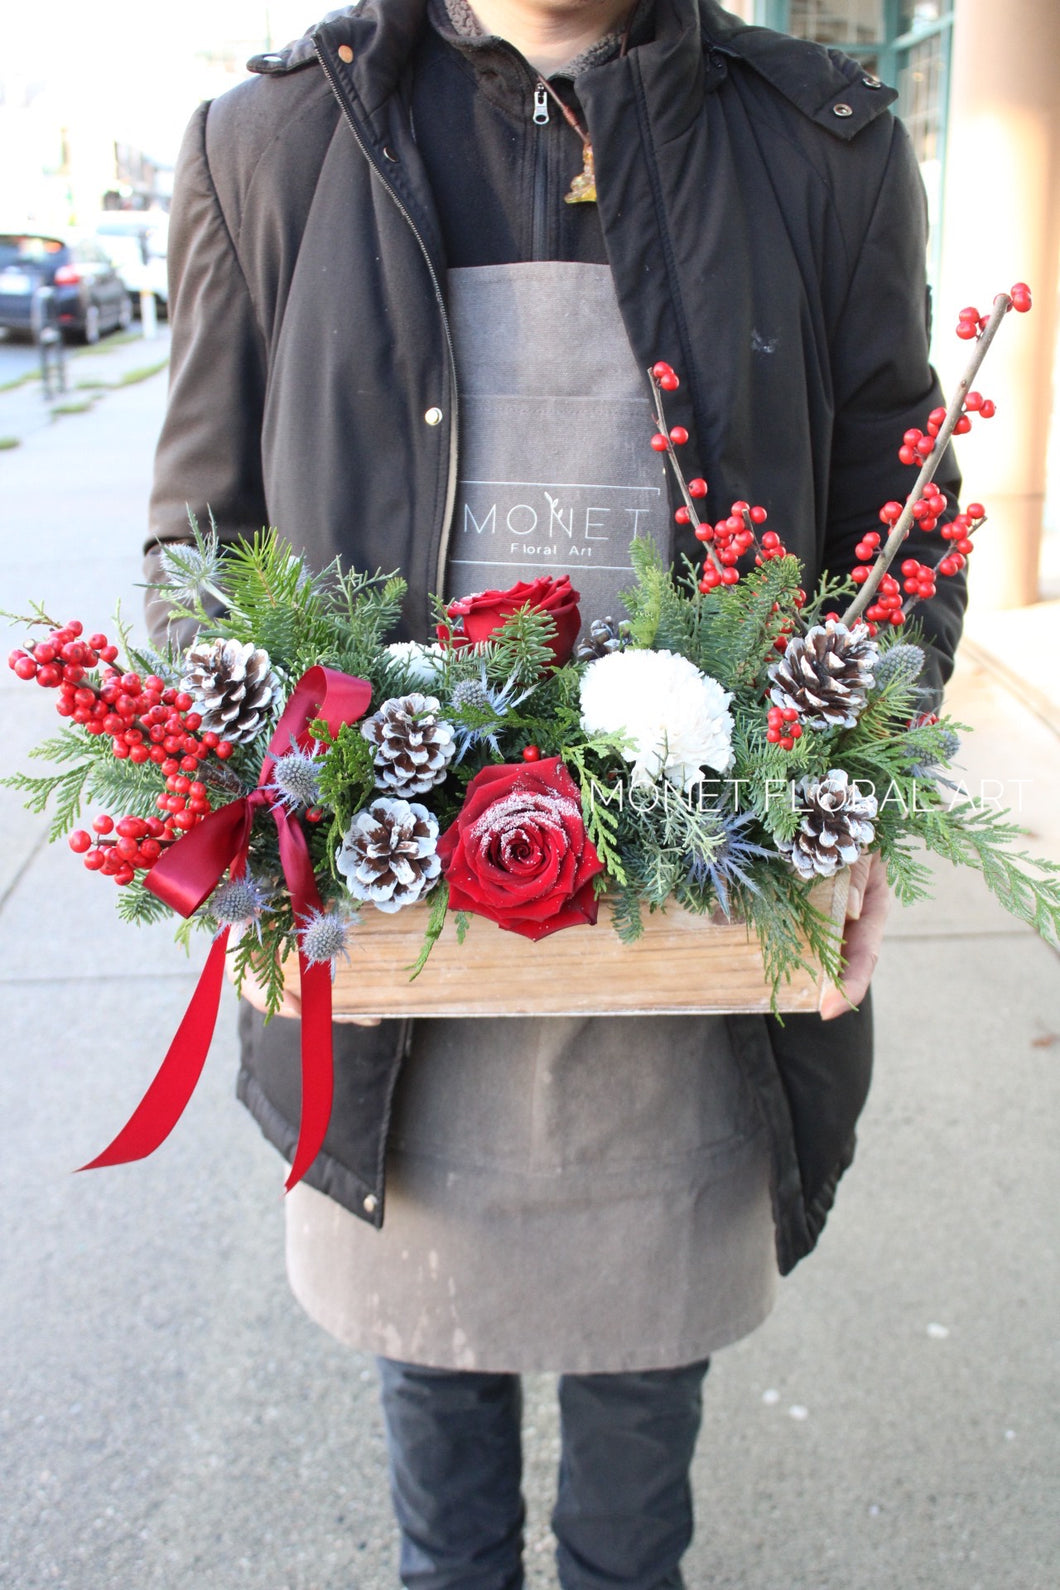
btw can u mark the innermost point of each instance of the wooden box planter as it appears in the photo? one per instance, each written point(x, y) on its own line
point(683, 963)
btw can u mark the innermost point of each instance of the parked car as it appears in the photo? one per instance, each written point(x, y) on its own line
point(90, 296)
point(136, 242)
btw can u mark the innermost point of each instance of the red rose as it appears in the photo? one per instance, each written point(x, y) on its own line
point(518, 852)
point(486, 611)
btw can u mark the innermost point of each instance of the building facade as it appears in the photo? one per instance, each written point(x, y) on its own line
point(980, 94)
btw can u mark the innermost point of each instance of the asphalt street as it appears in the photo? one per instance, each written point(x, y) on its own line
point(169, 1417)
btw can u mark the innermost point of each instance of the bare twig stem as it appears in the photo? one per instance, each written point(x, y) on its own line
point(679, 475)
point(901, 527)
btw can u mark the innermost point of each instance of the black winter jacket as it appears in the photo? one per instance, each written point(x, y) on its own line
point(763, 220)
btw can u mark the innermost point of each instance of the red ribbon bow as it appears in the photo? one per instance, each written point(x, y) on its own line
point(187, 874)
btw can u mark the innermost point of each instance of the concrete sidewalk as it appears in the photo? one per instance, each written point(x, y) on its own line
point(115, 362)
point(169, 1418)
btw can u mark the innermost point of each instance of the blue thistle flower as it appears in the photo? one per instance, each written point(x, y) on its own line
point(727, 866)
point(296, 779)
point(322, 937)
point(481, 696)
point(239, 902)
point(899, 664)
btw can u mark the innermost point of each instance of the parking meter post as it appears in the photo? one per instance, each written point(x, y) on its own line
point(148, 314)
point(44, 321)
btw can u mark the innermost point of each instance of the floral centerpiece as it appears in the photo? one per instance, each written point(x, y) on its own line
point(729, 742)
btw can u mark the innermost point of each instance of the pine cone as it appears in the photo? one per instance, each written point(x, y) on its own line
point(234, 687)
point(835, 828)
point(413, 745)
point(605, 636)
point(825, 675)
point(389, 853)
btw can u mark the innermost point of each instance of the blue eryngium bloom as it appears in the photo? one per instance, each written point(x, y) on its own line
point(727, 866)
point(322, 937)
point(481, 696)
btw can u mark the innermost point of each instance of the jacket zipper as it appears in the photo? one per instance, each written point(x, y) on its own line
point(451, 480)
point(539, 223)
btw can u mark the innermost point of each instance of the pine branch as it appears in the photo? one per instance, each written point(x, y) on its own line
point(347, 774)
point(136, 904)
point(67, 790)
point(522, 648)
point(433, 932)
point(659, 615)
point(975, 837)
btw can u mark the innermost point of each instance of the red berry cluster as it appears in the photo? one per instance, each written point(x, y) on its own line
point(970, 322)
point(62, 658)
point(731, 538)
point(783, 727)
point(147, 721)
point(960, 531)
point(886, 607)
point(664, 375)
point(121, 848)
point(918, 445)
point(918, 579)
point(783, 634)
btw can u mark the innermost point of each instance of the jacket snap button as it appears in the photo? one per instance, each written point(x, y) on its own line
point(842, 110)
point(388, 153)
point(433, 416)
point(345, 53)
point(872, 82)
point(370, 1203)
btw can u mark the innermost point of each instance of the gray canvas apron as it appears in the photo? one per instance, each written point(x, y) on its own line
point(572, 1194)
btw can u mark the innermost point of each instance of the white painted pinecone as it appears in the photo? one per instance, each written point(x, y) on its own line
point(389, 853)
point(413, 745)
point(835, 828)
point(826, 674)
point(233, 686)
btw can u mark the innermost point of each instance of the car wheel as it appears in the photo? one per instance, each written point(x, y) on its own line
point(90, 330)
point(125, 313)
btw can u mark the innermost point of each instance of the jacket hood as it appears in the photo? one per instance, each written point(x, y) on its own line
point(826, 86)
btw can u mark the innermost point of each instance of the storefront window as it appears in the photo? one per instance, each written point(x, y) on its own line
point(846, 22)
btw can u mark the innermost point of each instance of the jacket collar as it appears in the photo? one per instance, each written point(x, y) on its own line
point(826, 86)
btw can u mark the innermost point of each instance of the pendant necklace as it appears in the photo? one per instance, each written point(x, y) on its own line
point(583, 186)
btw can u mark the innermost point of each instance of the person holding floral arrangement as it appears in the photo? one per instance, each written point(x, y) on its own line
point(421, 263)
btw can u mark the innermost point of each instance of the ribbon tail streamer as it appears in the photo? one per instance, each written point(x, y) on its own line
point(317, 1067)
point(165, 1100)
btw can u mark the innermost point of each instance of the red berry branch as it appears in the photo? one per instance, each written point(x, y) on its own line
point(147, 720)
point(925, 501)
point(729, 539)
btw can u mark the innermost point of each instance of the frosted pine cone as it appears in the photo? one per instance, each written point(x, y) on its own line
point(825, 675)
point(413, 745)
point(389, 853)
point(835, 828)
point(233, 686)
point(605, 636)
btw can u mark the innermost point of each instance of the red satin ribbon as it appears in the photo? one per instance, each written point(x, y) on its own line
point(187, 874)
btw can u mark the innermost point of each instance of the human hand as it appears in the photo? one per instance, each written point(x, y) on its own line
point(253, 991)
point(868, 902)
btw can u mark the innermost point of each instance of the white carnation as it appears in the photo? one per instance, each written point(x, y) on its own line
point(423, 663)
point(675, 717)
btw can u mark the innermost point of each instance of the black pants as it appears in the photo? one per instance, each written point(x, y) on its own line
point(623, 1515)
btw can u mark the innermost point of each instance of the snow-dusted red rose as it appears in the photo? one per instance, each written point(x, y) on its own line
point(518, 852)
point(486, 611)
